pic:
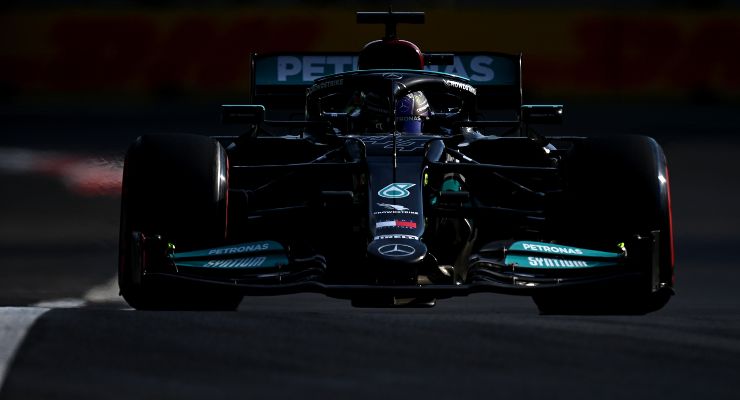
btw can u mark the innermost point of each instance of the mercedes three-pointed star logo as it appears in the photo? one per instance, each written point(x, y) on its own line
point(392, 76)
point(396, 250)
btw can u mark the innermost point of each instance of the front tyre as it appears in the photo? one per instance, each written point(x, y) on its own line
point(175, 186)
point(616, 188)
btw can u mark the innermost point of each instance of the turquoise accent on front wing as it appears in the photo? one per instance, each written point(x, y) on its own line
point(559, 250)
point(257, 261)
point(541, 262)
point(266, 246)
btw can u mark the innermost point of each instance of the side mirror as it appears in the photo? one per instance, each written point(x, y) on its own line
point(242, 114)
point(542, 114)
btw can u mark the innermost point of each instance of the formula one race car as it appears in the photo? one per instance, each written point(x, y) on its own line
point(395, 188)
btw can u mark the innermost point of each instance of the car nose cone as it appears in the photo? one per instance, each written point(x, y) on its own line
point(399, 250)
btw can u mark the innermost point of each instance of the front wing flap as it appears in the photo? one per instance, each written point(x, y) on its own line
point(266, 268)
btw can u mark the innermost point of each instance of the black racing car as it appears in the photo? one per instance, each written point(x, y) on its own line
point(396, 187)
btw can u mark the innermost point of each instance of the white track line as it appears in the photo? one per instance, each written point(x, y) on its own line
point(107, 291)
point(14, 325)
point(103, 293)
point(16, 321)
point(60, 303)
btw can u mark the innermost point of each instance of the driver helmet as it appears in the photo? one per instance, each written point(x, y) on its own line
point(411, 112)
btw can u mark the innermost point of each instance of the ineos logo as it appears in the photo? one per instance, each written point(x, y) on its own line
point(396, 190)
point(396, 250)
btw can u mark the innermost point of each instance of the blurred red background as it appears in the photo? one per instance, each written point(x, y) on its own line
point(142, 53)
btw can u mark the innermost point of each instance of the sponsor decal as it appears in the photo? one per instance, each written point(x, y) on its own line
point(421, 103)
point(325, 85)
point(402, 143)
point(521, 261)
point(303, 70)
point(396, 224)
point(392, 76)
point(412, 103)
point(551, 249)
point(237, 263)
point(554, 262)
point(245, 248)
point(395, 236)
point(476, 68)
point(394, 207)
point(308, 68)
point(396, 250)
point(396, 212)
point(560, 250)
point(460, 85)
point(405, 103)
point(396, 190)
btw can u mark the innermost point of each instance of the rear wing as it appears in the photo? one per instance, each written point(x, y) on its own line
point(279, 81)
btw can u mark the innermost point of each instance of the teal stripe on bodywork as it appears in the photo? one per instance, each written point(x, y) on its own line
point(540, 248)
point(267, 246)
point(544, 262)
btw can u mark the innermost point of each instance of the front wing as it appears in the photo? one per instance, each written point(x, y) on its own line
point(265, 268)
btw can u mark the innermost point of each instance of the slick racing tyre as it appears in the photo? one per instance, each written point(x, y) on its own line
point(617, 188)
point(174, 186)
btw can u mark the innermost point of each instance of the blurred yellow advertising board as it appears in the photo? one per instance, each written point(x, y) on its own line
point(570, 52)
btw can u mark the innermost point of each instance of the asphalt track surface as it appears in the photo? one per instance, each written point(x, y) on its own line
point(64, 333)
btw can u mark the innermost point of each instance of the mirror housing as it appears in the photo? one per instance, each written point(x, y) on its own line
point(242, 114)
point(542, 113)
